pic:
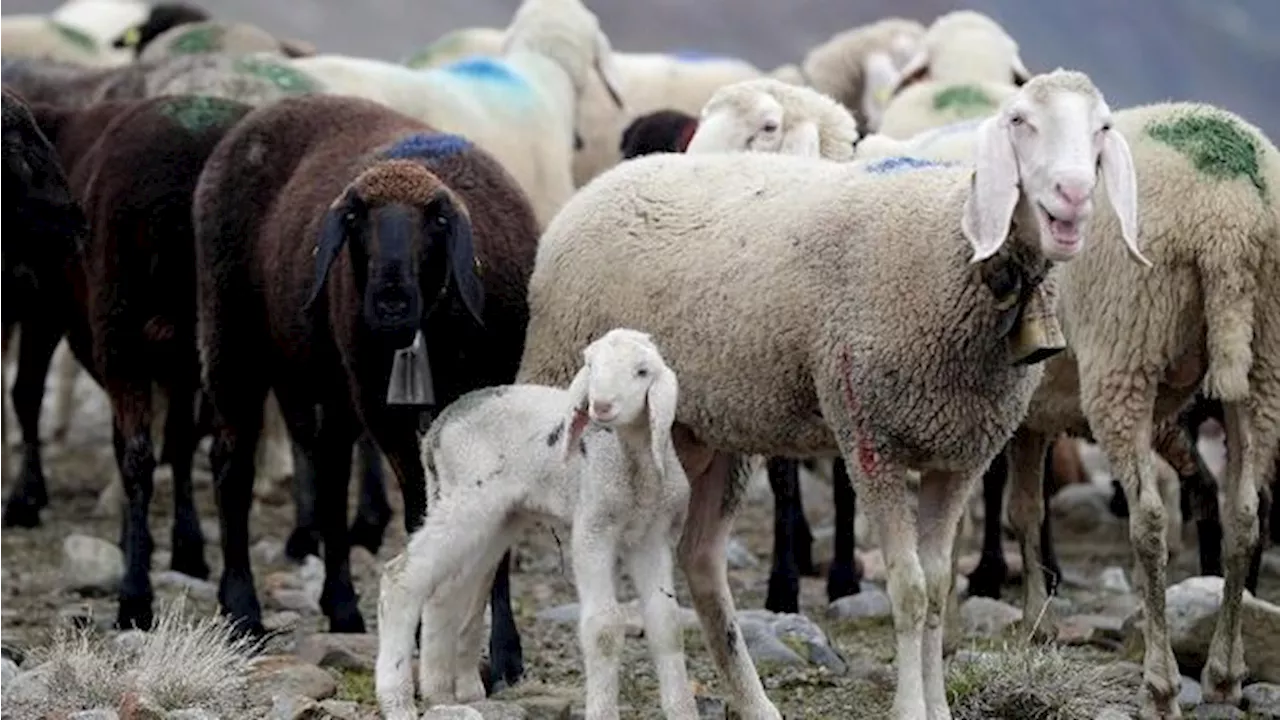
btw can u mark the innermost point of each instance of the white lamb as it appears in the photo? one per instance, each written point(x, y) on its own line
point(966, 67)
point(521, 107)
point(598, 455)
point(768, 115)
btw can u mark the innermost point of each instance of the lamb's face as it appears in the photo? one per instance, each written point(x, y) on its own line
point(739, 124)
point(622, 367)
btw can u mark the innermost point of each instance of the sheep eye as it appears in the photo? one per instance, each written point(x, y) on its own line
point(642, 372)
point(1106, 126)
point(770, 127)
point(1017, 120)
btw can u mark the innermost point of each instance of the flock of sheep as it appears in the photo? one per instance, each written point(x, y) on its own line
point(907, 253)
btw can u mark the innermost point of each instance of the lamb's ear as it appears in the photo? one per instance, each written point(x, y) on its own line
point(1122, 189)
point(916, 69)
point(607, 68)
point(1020, 73)
point(993, 189)
point(663, 393)
point(879, 78)
point(802, 139)
point(575, 421)
point(446, 210)
point(333, 235)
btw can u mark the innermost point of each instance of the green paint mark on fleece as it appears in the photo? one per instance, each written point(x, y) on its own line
point(282, 76)
point(1217, 146)
point(75, 37)
point(198, 41)
point(202, 112)
point(963, 100)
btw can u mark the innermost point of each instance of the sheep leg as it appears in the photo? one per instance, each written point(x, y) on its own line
point(988, 577)
point(942, 501)
point(231, 459)
point(843, 577)
point(334, 439)
point(305, 538)
point(1247, 450)
point(467, 683)
point(373, 513)
point(802, 548)
point(1119, 408)
point(713, 504)
point(650, 567)
point(416, 583)
point(135, 457)
point(34, 353)
point(784, 578)
point(67, 370)
point(1027, 516)
point(595, 552)
point(506, 656)
point(187, 539)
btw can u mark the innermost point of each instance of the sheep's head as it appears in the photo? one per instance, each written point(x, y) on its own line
point(409, 235)
point(1046, 146)
point(768, 115)
point(622, 381)
point(569, 34)
point(860, 67)
point(48, 222)
point(163, 16)
point(964, 46)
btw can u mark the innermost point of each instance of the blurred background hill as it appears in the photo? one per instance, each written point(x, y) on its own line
point(1222, 51)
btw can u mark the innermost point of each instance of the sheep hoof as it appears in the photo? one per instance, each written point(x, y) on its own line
point(987, 578)
point(188, 559)
point(366, 534)
point(346, 619)
point(301, 543)
point(784, 594)
point(21, 512)
point(134, 612)
point(842, 580)
point(503, 672)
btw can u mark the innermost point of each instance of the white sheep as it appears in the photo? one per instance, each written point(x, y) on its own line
point(41, 37)
point(215, 36)
point(521, 107)
point(966, 66)
point(1203, 317)
point(860, 66)
point(500, 460)
point(103, 20)
point(815, 307)
point(768, 115)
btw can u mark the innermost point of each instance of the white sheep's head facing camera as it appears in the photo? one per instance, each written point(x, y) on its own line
point(732, 127)
point(1050, 144)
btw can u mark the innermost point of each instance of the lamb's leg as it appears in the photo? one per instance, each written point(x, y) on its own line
point(467, 684)
point(1119, 409)
point(988, 577)
point(595, 552)
point(187, 539)
point(135, 457)
point(784, 578)
point(373, 513)
point(446, 546)
point(1026, 515)
point(34, 353)
point(1247, 451)
point(650, 566)
point(67, 370)
point(713, 503)
point(942, 501)
point(843, 577)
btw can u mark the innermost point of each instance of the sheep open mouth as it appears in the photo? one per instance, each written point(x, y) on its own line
point(1065, 232)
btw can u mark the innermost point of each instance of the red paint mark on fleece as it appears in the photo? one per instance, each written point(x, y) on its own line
point(868, 459)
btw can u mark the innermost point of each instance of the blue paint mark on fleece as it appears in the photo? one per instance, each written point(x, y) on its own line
point(484, 69)
point(696, 56)
point(901, 162)
point(427, 146)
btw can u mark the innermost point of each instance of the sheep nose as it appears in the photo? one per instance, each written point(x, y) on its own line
point(1075, 192)
point(394, 307)
point(601, 409)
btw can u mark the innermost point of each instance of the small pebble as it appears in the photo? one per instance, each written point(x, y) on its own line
point(873, 603)
point(1218, 712)
point(99, 714)
point(193, 714)
point(1113, 579)
point(452, 712)
point(1263, 699)
point(91, 565)
point(739, 557)
point(1189, 693)
point(8, 671)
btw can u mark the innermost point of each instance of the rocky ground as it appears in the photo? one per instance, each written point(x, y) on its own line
point(828, 662)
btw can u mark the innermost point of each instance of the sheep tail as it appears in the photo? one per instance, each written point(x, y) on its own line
point(1229, 286)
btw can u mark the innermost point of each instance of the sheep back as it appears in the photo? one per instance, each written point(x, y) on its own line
point(779, 286)
point(927, 104)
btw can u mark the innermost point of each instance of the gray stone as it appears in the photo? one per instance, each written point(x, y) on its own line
point(739, 557)
point(193, 714)
point(212, 531)
point(1191, 609)
point(545, 707)
point(764, 646)
point(272, 675)
point(711, 708)
point(1083, 510)
point(1113, 579)
point(1263, 699)
point(29, 686)
point(496, 710)
point(1113, 713)
point(347, 651)
point(267, 551)
point(294, 707)
point(801, 633)
point(986, 616)
point(1189, 693)
point(8, 671)
point(975, 657)
point(566, 614)
point(343, 709)
point(183, 583)
point(873, 603)
point(99, 714)
point(91, 565)
point(281, 620)
point(1218, 712)
point(452, 712)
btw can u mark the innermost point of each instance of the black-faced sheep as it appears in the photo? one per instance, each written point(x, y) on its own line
point(329, 232)
point(131, 319)
point(162, 17)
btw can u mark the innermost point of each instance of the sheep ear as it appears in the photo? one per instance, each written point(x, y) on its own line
point(1122, 189)
point(1020, 73)
point(575, 421)
point(607, 68)
point(802, 140)
point(879, 77)
point(333, 235)
point(663, 393)
point(993, 192)
point(916, 69)
point(461, 250)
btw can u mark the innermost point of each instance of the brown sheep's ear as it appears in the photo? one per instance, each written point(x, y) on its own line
point(333, 233)
point(447, 211)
